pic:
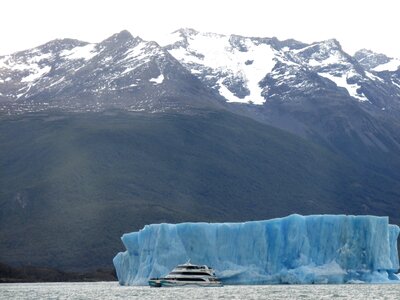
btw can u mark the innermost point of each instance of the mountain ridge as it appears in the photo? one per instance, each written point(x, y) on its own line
point(122, 71)
point(232, 87)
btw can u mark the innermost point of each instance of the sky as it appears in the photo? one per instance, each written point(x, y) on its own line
point(357, 24)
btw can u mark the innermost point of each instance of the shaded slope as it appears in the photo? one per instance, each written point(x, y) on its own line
point(70, 185)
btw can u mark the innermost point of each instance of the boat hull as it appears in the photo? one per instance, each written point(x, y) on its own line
point(155, 283)
point(174, 283)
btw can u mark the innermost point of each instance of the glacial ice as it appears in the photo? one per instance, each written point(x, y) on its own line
point(295, 249)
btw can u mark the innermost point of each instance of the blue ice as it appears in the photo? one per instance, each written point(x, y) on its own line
point(295, 249)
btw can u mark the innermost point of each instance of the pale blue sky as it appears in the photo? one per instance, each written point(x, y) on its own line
point(356, 24)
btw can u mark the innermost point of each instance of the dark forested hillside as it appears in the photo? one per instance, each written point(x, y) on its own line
point(72, 184)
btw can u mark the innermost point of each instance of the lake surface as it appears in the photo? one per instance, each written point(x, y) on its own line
point(112, 290)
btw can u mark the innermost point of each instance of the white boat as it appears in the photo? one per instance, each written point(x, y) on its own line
point(188, 275)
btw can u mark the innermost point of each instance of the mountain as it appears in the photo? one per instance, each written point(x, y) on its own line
point(100, 139)
point(377, 62)
point(127, 72)
point(122, 71)
point(286, 84)
point(261, 70)
point(317, 90)
point(387, 69)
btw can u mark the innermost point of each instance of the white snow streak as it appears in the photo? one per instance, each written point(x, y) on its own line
point(227, 94)
point(128, 70)
point(38, 73)
point(297, 51)
point(373, 77)
point(136, 52)
point(396, 84)
point(342, 82)
point(57, 82)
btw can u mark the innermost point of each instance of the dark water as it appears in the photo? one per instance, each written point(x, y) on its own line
point(111, 290)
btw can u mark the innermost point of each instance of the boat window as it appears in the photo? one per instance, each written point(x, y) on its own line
point(190, 273)
point(189, 279)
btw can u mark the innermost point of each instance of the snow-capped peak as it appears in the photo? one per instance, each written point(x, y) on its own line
point(186, 31)
point(369, 59)
point(239, 67)
point(325, 52)
point(225, 64)
point(119, 63)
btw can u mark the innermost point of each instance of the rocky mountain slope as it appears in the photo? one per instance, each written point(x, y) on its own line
point(129, 72)
point(261, 70)
point(122, 71)
point(291, 85)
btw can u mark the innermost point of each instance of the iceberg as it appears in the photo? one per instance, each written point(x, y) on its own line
point(291, 250)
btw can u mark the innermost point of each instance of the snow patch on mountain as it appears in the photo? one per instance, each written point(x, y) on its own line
point(37, 73)
point(137, 52)
point(169, 39)
point(373, 77)
point(139, 55)
point(328, 60)
point(227, 94)
point(86, 52)
point(392, 65)
point(341, 81)
point(226, 64)
point(251, 70)
point(39, 57)
point(157, 80)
